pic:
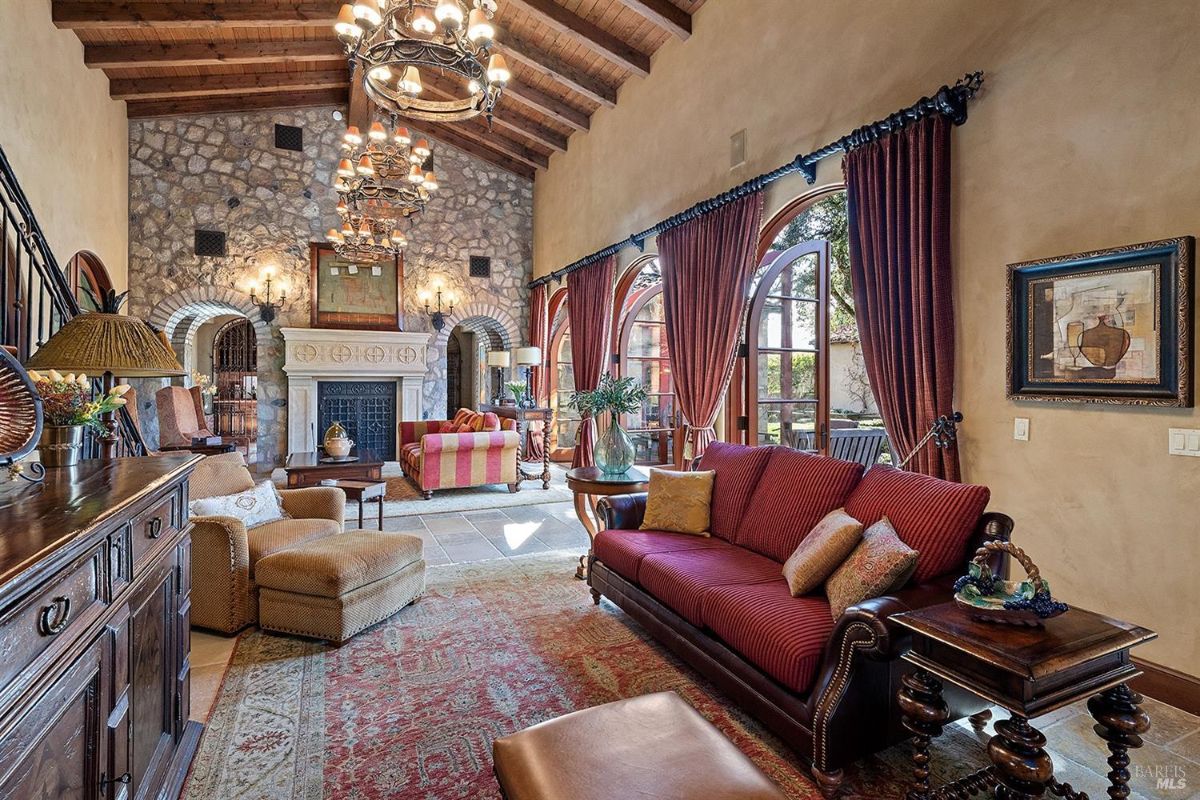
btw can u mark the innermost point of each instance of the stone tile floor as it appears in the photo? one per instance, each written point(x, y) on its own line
point(1166, 768)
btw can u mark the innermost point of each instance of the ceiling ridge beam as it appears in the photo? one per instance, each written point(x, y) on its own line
point(206, 85)
point(586, 33)
point(526, 54)
point(110, 14)
point(136, 109)
point(664, 14)
point(200, 53)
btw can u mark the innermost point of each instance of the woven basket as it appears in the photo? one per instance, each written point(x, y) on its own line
point(991, 608)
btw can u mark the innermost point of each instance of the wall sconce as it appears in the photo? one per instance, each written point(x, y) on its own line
point(438, 315)
point(267, 307)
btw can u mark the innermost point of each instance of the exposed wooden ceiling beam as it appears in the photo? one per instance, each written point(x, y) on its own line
point(538, 60)
point(585, 33)
point(192, 55)
point(665, 15)
point(211, 85)
point(455, 136)
point(100, 14)
point(441, 88)
point(550, 106)
point(476, 131)
point(230, 102)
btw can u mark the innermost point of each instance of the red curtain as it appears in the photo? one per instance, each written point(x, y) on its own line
point(899, 201)
point(707, 264)
point(539, 336)
point(589, 313)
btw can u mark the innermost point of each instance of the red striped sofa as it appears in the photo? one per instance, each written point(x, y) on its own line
point(482, 450)
point(826, 686)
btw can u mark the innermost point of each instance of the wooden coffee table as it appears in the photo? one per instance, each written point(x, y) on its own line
point(590, 483)
point(1027, 672)
point(309, 469)
point(361, 492)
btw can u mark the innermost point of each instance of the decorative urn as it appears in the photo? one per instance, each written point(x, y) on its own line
point(337, 442)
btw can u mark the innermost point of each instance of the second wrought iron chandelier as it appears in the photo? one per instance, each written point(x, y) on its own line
point(389, 42)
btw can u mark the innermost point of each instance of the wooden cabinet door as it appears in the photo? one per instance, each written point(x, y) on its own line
point(53, 750)
point(151, 676)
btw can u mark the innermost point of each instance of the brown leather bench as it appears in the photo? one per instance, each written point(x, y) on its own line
point(654, 747)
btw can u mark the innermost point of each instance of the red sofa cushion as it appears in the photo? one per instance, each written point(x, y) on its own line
point(623, 551)
point(932, 516)
point(738, 469)
point(784, 636)
point(795, 491)
point(683, 578)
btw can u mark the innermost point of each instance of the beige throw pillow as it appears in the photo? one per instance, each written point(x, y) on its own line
point(679, 502)
point(253, 507)
point(880, 563)
point(822, 551)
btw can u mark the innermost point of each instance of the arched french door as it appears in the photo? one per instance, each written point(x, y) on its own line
point(561, 380)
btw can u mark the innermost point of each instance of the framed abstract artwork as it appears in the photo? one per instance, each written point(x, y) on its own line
point(1109, 326)
point(352, 294)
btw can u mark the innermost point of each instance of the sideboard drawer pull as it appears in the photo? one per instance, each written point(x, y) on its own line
point(52, 620)
point(154, 528)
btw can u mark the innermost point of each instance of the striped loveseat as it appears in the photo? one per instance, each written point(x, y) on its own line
point(473, 449)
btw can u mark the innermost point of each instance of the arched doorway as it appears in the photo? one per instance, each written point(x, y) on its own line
point(234, 357)
point(468, 382)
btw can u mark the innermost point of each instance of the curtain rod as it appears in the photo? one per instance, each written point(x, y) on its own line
point(949, 101)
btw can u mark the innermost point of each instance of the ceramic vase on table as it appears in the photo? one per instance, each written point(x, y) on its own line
point(60, 445)
point(614, 453)
point(337, 441)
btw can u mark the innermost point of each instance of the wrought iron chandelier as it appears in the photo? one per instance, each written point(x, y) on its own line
point(386, 169)
point(365, 239)
point(389, 42)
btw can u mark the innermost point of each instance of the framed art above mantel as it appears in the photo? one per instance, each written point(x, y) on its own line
point(355, 295)
point(1107, 326)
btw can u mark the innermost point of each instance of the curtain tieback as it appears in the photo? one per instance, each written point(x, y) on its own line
point(696, 438)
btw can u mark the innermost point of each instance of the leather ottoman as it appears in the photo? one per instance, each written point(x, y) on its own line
point(334, 587)
point(654, 747)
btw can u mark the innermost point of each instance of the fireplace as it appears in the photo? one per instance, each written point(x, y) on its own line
point(367, 380)
point(366, 409)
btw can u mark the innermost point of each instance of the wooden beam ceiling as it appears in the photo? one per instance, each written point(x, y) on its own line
point(234, 102)
point(210, 85)
point(586, 33)
point(102, 14)
point(545, 104)
point(456, 136)
point(529, 55)
point(204, 53)
point(443, 89)
point(664, 14)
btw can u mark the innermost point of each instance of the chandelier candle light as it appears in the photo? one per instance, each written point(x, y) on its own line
point(389, 42)
point(385, 166)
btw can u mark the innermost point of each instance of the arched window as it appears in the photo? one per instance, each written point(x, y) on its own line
point(805, 383)
point(641, 347)
point(89, 280)
point(562, 380)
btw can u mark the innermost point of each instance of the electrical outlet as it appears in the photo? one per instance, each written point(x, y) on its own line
point(1183, 442)
point(1021, 429)
point(737, 149)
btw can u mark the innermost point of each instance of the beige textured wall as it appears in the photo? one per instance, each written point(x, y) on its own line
point(66, 139)
point(1087, 136)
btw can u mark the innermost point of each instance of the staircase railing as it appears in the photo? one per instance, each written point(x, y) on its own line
point(37, 299)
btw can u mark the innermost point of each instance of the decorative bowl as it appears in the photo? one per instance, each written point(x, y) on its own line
point(338, 448)
point(988, 598)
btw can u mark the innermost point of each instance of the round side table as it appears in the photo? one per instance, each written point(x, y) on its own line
point(589, 484)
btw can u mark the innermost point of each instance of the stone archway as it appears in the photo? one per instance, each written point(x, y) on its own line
point(205, 302)
point(476, 316)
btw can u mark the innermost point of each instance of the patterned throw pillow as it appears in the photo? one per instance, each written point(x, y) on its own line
point(879, 564)
point(679, 502)
point(253, 506)
point(491, 422)
point(822, 551)
point(449, 426)
point(462, 416)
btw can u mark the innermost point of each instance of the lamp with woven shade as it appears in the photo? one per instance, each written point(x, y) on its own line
point(108, 343)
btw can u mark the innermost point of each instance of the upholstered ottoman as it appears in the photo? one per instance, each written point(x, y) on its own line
point(654, 747)
point(332, 588)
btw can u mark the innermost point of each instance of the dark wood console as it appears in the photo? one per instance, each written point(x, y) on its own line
point(94, 634)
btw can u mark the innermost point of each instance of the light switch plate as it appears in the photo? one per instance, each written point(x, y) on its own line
point(1021, 429)
point(1183, 442)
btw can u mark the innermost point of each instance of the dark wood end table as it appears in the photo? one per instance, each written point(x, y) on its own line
point(361, 492)
point(227, 445)
point(523, 416)
point(590, 483)
point(307, 469)
point(1028, 672)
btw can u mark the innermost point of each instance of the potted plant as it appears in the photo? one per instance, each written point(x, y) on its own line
point(614, 452)
point(518, 391)
point(67, 408)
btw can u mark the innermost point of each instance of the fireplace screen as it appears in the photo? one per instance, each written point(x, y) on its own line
point(366, 409)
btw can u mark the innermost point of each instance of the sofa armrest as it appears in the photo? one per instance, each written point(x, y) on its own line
point(622, 511)
point(445, 442)
point(315, 502)
point(220, 574)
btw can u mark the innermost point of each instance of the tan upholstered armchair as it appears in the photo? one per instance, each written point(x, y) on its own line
point(224, 551)
point(180, 416)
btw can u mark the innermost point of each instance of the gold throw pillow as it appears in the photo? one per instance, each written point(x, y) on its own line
point(822, 551)
point(879, 564)
point(679, 501)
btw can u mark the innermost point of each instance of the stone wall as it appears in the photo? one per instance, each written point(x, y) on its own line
point(222, 172)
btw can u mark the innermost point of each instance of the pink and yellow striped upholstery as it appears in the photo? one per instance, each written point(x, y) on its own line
point(434, 460)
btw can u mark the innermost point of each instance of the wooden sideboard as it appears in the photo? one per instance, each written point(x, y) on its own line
point(94, 635)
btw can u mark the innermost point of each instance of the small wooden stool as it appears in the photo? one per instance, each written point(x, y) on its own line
point(362, 491)
point(653, 747)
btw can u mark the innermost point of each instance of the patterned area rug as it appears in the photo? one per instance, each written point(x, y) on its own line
point(409, 708)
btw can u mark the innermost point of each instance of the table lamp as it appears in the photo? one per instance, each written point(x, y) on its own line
point(529, 357)
point(109, 344)
point(499, 360)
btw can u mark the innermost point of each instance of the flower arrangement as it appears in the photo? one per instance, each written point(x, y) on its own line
point(67, 400)
point(517, 388)
point(618, 395)
point(204, 383)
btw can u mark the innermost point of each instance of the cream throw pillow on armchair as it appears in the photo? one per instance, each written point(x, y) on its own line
point(679, 502)
point(253, 506)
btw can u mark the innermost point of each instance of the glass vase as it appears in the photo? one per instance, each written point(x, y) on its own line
point(614, 450)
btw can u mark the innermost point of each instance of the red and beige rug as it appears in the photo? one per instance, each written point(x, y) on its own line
point(409, 709)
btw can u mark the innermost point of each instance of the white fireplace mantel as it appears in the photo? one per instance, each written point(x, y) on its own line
point(316, 354)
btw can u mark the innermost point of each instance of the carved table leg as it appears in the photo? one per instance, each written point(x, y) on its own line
point(1121, 722)
point(1023, 767)
point(546, 452)
point(585, 508)
point(979, 721)
point(924, 712)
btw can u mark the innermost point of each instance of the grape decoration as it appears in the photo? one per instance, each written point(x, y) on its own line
point(986, 596)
